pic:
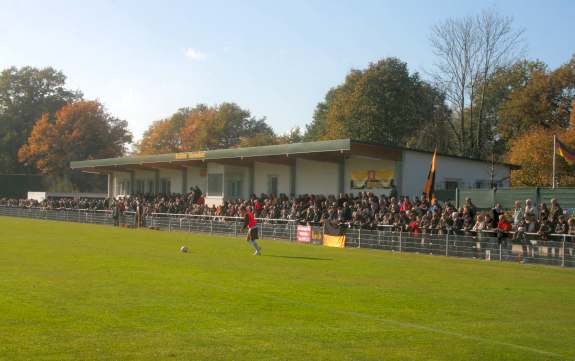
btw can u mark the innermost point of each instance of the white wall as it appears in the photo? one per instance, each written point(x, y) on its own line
point(175, 177)
point(146, 176)
point(119, 177)
point(237, 173)
point(263, 170)
point(215, 168)
point(415, 168)
point(316, 177)
point(196, 179)
point(359, 163)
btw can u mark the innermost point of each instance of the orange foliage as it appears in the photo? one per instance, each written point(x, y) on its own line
point(81, 130)
point(533, 151)
point(161, 137)
point(202, 127)
point(198, 131)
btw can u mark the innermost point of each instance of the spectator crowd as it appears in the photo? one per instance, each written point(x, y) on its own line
point(362, 210)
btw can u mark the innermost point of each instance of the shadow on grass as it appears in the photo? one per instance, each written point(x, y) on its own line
point(300, 257)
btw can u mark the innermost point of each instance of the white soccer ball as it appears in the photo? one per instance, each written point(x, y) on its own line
point(184, 249)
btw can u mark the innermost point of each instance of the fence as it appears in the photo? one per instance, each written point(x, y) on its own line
point(18, 185)
point(558, 251)
point(487, 198)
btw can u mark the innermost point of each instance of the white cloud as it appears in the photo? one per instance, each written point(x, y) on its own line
point(194, 55)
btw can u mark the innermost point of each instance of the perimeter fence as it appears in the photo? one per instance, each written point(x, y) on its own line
point(557, 250)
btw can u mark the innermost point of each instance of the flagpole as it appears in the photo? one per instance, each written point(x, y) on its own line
point(554, 153)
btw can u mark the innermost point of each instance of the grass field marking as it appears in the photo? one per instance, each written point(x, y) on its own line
point(427, 328)
point(452, 333)
point(403, 324)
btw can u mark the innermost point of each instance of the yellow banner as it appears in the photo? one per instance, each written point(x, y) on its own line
point(372, 179)
point(334, 241)
point(191, 155)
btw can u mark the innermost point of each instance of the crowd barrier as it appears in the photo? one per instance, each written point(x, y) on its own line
point(557, 251)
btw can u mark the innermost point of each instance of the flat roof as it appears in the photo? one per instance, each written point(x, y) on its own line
point(338, 146)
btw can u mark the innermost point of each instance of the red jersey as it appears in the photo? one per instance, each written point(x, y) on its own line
point(504, 226)
point(414, 227)
point(249, 220)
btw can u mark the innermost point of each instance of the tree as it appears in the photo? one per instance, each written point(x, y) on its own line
point(81, 130)
point(382, 104)
point(203, 127)
point(469, 51)
point(258, 139)
point(434, 133)
point(223, 126)
point(164, 136)
point(545, 100)
point(317, 128)
point(25, 95)
point(501, 84)
point(293, 135)
point(533, 151)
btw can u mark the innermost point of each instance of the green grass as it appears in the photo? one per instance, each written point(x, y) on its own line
point(83, 292)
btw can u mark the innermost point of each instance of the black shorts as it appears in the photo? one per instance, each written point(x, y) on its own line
point(252, 234)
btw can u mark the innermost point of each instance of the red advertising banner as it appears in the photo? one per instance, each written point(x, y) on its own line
point(303, 234)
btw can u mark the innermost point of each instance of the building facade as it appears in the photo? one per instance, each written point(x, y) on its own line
point(325, 167)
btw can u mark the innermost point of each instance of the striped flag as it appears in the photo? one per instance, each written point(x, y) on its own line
point(565, 152)
point(429, 187)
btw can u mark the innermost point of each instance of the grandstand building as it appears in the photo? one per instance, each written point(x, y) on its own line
point(324, 167)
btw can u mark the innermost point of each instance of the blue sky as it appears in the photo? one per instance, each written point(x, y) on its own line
point(144, 60)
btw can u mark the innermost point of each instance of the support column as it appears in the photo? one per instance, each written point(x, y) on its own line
point(292, 180)
point(110, 185)
point(398, 177)
point(341, 176)
point(251, 181)
point(157, 180)
point(132, 181)
point(185, 181)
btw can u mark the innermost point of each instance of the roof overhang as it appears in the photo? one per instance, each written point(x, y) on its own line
point(331, 150)
point(323, 151)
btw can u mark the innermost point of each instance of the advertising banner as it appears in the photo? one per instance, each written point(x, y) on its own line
point(303, 234)
point(334, 241)
point(372, 179)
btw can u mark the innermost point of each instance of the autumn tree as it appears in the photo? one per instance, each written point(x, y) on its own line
point(382, 104)
point(533, 151)
point(203, 127)
point(294, 135)
point(25, 95)
point(222, 126)
point(501, 84)
point(469, 51)
point(545, 100)
point(81, 130)
point(164, 136)
point(258, 140)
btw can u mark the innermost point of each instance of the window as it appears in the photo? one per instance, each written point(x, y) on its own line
point(482, 184)
point(272, 184)
point(166, 186)
point(215, 184)
point(124, 187)
point(235, 188)
point(451, 185)
point(140, 186)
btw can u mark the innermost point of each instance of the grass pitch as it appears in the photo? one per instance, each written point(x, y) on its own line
point(83, 292)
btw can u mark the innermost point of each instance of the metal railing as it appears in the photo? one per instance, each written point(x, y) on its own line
point(558, 250)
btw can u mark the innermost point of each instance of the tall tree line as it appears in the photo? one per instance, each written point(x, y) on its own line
point(481, 98)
